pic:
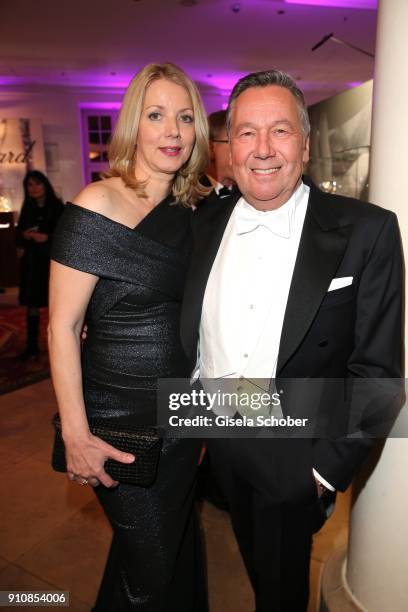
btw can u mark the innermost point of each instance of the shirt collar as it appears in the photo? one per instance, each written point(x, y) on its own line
point(286, 213)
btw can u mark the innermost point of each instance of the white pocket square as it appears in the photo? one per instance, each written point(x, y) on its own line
point(339, 283)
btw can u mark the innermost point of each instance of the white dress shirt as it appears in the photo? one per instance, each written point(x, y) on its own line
point(247, 291)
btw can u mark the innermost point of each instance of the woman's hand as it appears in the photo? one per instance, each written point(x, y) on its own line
point(86, 457)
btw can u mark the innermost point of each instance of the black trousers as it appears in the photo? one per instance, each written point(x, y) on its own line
point(155, 562)
point(274, 534)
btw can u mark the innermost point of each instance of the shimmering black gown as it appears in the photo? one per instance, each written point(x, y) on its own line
point(155, 562)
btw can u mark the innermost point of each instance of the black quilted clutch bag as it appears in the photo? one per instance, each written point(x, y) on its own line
point(143, 442)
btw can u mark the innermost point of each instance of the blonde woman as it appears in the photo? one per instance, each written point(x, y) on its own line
point(119, 263)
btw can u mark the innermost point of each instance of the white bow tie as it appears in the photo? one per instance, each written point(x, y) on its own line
point(247, 220)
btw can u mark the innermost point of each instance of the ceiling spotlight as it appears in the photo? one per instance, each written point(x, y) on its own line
point(235, 8)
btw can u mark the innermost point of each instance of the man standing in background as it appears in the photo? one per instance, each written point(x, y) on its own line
point(220, 171)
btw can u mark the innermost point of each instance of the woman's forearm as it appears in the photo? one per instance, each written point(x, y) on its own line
point(65, 358)
point(85, 453)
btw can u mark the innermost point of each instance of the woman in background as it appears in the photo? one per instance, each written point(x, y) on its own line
point(39, 215)
point(120, 258)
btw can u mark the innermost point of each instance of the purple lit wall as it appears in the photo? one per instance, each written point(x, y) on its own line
point(357, 4)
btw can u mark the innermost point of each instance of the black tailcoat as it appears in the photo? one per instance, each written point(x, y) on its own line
point(355, 331)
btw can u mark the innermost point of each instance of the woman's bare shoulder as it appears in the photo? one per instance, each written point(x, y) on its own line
point(99, 196)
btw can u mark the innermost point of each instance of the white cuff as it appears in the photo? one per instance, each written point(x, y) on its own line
point(323, 481)
point(195, 374)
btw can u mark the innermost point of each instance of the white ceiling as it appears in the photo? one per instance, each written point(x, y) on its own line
point(104, 42)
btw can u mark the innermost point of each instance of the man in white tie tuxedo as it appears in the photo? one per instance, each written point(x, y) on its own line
point(288, 282)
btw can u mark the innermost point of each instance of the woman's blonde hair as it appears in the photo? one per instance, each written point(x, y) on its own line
point(186, 186)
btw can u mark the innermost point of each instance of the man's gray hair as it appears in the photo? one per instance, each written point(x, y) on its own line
point(264, 79)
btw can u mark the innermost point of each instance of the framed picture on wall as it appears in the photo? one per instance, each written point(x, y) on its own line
point(52, 156)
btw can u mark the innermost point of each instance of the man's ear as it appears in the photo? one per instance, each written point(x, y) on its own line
point(212, 154)
point(306, 150)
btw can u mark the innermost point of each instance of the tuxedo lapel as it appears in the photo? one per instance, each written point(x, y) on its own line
point(321, 249)
point(209, 230)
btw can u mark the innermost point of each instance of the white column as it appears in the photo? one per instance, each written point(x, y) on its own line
point(389, 132)
point(377, 563)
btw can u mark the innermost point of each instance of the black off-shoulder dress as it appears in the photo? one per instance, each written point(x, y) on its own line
point(155, 562)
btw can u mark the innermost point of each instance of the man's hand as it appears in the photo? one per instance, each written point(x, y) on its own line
point(320, 488)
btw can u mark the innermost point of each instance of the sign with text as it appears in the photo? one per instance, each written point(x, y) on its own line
point(21, 149)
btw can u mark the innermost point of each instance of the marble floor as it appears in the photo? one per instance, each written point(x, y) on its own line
point(54, 535)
